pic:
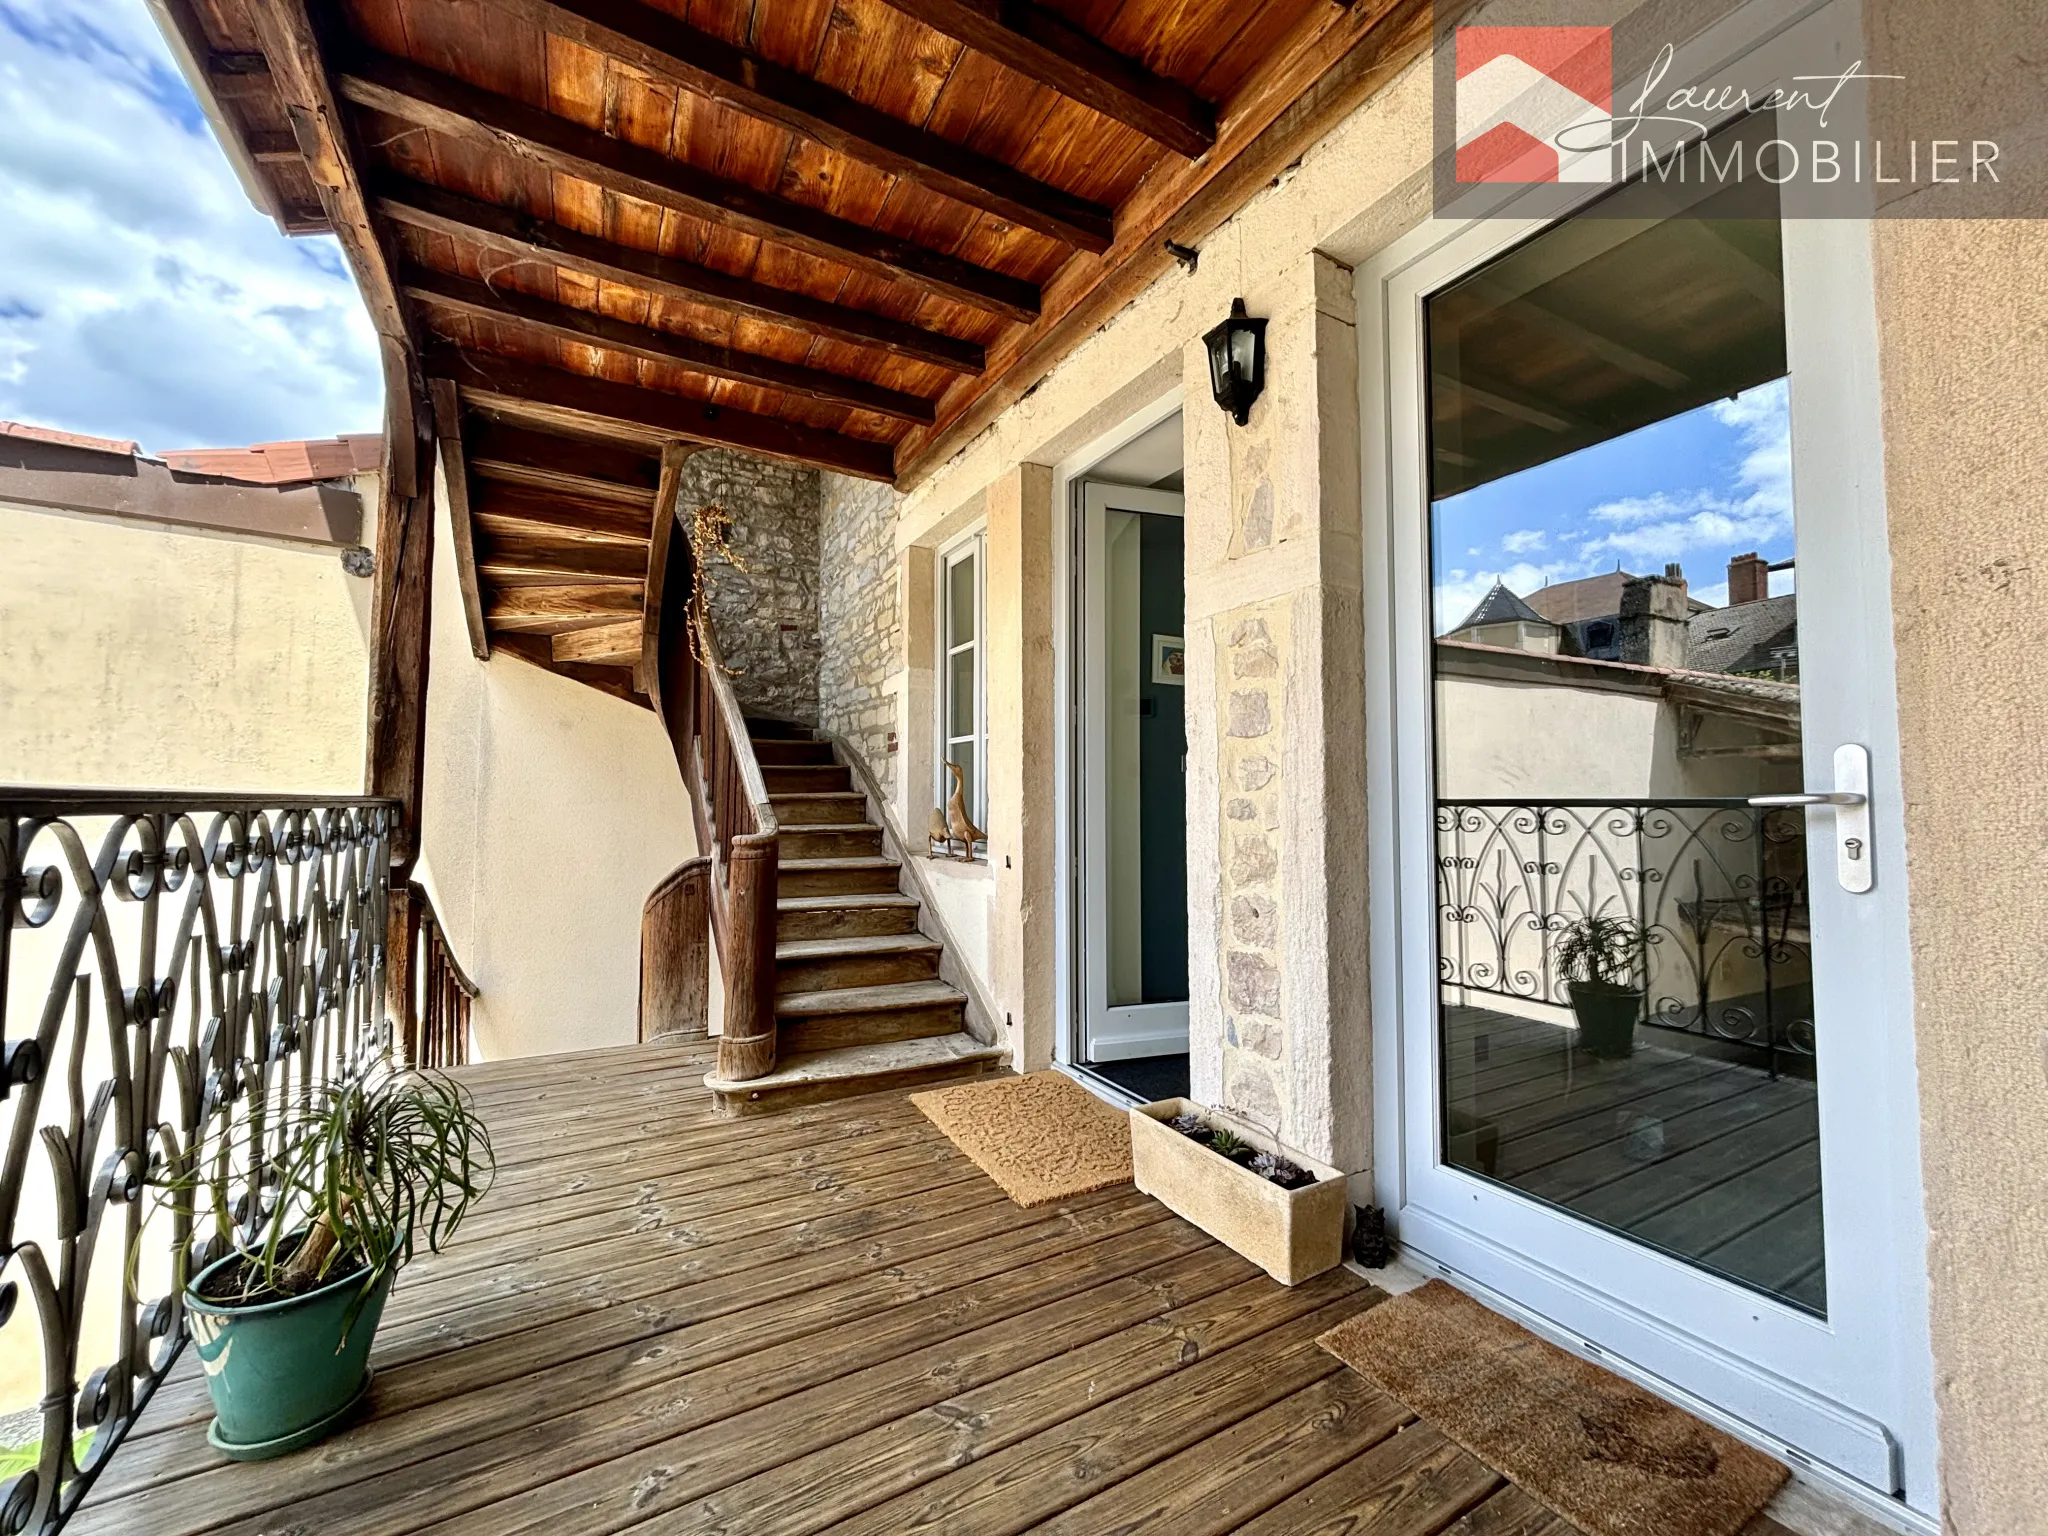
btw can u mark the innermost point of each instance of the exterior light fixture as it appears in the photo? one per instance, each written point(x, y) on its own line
point(1237, 361)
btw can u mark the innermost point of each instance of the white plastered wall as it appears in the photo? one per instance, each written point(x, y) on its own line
point(550, 811)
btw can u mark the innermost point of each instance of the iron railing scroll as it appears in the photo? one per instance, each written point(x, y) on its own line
point(1717, 888)
point(173, 970)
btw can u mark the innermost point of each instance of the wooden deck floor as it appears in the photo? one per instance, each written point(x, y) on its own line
point(823, 1320)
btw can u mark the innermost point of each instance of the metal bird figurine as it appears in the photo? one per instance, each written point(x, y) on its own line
point(957, 821)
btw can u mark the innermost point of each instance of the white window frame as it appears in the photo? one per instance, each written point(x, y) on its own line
point(972, 546)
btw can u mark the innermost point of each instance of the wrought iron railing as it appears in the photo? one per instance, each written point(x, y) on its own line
point(1716, 888)
point(162, 959)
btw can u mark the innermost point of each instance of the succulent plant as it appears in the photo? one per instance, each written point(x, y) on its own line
point(1228, 1143)
point(1190, 1124)
point(1276, 1169)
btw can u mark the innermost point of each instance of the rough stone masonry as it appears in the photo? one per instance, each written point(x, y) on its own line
point(765, 616)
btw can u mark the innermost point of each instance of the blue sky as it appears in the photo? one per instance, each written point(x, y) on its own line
point(1696, 489)
point(141, 295)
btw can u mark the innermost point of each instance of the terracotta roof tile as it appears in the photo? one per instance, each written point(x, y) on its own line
point(285, 463)
point(36, 434)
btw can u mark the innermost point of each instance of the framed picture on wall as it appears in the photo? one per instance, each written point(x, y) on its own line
point(1170, 660)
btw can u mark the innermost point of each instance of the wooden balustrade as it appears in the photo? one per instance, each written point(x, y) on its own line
point(438, 992)
point(736, 829)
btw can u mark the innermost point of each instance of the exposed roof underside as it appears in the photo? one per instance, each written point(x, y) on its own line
point(835, 232)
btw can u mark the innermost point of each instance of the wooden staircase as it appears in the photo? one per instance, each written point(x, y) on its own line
point(859, 1003)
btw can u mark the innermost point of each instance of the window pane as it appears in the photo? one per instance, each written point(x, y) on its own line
point(960, 594)
point(960, 693)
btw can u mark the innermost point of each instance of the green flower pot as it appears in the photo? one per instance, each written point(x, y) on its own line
point(1606, 1016)
point(284, 1374)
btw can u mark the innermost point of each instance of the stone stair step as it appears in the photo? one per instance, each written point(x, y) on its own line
point(808, 1077)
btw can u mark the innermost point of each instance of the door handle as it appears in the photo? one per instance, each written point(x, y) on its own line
point(1850, 801)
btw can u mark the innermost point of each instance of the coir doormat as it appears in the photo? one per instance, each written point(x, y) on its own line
point(1042, 1137)
point(1608, 1456)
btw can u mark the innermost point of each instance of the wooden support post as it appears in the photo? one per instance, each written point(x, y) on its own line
point(747, 1048)
point(675, 956)
point(400, 959)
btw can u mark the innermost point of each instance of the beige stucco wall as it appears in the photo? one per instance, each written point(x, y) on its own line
point(136, 656)
point(1963, 330)
point(550, 811)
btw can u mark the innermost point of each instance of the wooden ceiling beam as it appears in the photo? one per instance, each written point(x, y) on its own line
point(1041, 45)
point(1335, 59)
point(447, 105)
point(670, 50)
point(582, 327)
point(577, 402)
point(447, 410)
point(520, 235)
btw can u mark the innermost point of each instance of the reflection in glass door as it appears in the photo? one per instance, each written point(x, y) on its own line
point(1625, 1008)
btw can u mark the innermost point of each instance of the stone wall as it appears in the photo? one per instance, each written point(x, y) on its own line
point(1249, 645)
point(766, 615)
point(858, 610)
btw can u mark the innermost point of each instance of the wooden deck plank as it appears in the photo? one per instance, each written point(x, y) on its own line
point(821, 1320)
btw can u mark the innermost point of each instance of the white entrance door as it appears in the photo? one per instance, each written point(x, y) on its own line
point(1642, 996)
point(1133, 775)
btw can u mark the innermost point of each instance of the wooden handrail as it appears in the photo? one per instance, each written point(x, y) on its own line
point(735, 821)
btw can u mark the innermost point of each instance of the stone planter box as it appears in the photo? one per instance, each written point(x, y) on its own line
point(1292, 1234)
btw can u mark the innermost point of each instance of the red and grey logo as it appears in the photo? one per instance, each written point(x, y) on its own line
point(1535, 104)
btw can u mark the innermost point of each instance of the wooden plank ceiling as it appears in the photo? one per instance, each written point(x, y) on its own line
point(823, 231)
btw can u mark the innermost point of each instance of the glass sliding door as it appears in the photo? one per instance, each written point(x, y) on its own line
point(1640, 953)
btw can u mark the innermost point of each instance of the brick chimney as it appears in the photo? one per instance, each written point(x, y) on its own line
point(1653, 619)
point(1749, 579)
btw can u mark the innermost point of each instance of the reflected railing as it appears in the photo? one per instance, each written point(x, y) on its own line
point(1716, 888)
point(171, 969)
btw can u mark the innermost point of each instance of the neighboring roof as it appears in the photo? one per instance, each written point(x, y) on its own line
point(288, 463)
point(1500, 606)
point(107, 477)
point(1721, 638)
point(51, 435)
point(1590, 597)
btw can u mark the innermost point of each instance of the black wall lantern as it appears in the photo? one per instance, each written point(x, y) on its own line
point(1237, 361)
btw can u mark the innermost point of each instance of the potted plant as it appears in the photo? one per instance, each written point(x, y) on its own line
point(1602, 961)
point(1235, 1182)
point(283, 1322)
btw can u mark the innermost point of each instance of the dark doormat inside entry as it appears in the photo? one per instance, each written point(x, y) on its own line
point(1611, 1458)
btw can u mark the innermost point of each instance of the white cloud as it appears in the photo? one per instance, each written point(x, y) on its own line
point(1524, 540)
point(141, 295)
point(1649, 530)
